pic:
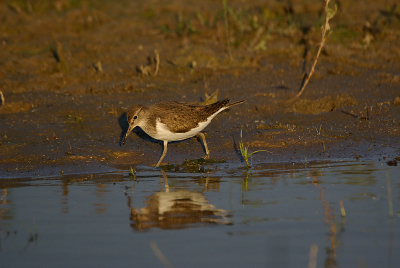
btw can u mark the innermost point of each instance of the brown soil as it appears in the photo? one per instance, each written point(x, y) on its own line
point(70, 69)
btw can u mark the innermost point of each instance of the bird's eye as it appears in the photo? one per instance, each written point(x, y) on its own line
point(135, 117)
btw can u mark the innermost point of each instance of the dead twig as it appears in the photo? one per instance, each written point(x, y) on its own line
point(342, 211)
point(59, 56)
point(145, 70)
point(312, 263)
point(326, 32)
point(351, 114)
point(256, 38)
point(157, 60)
point(160, 256)
point(2, 100)
point(361, 117)
point(97, 66)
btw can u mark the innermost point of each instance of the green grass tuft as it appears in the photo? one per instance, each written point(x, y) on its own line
point(248, 157)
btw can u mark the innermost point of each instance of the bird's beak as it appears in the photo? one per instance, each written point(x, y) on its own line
point(131, 127)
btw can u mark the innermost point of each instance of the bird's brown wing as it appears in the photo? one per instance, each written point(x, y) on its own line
point(182, 117)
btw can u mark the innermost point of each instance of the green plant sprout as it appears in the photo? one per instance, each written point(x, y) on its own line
point(245, 182)
point(318, 130)
point(132, 174)
point(244, 152)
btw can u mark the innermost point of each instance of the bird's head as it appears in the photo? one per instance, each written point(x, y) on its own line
point(134, 117)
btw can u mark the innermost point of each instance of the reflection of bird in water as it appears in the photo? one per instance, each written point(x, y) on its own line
point(176, 210)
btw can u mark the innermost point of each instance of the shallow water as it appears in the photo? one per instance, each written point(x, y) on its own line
point(276, 216)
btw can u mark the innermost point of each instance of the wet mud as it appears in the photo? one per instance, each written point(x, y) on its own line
point(70, 70)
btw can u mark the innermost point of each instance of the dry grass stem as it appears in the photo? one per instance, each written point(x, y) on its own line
point(256, 38)
point(228, 41)
point(342, 211)
point(61, 59)
point(313, 256)
point(326, 31)
point(159, 254)
point(98, 66)
point(157, 60)
point(2, 100)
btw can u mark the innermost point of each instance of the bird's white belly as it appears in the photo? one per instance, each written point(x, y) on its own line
point(164, 134)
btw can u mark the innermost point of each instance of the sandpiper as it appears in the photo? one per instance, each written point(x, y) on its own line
point(174, 121)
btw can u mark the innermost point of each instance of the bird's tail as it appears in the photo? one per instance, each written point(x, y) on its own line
point(235, 103)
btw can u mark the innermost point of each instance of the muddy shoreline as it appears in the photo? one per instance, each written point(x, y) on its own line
point(69, 72)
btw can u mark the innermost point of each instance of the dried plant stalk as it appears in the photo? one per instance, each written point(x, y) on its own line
point(2, 100)
point(326, 31)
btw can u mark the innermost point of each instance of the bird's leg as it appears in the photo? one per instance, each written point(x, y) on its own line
point(163, 153)
point(203, 138)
